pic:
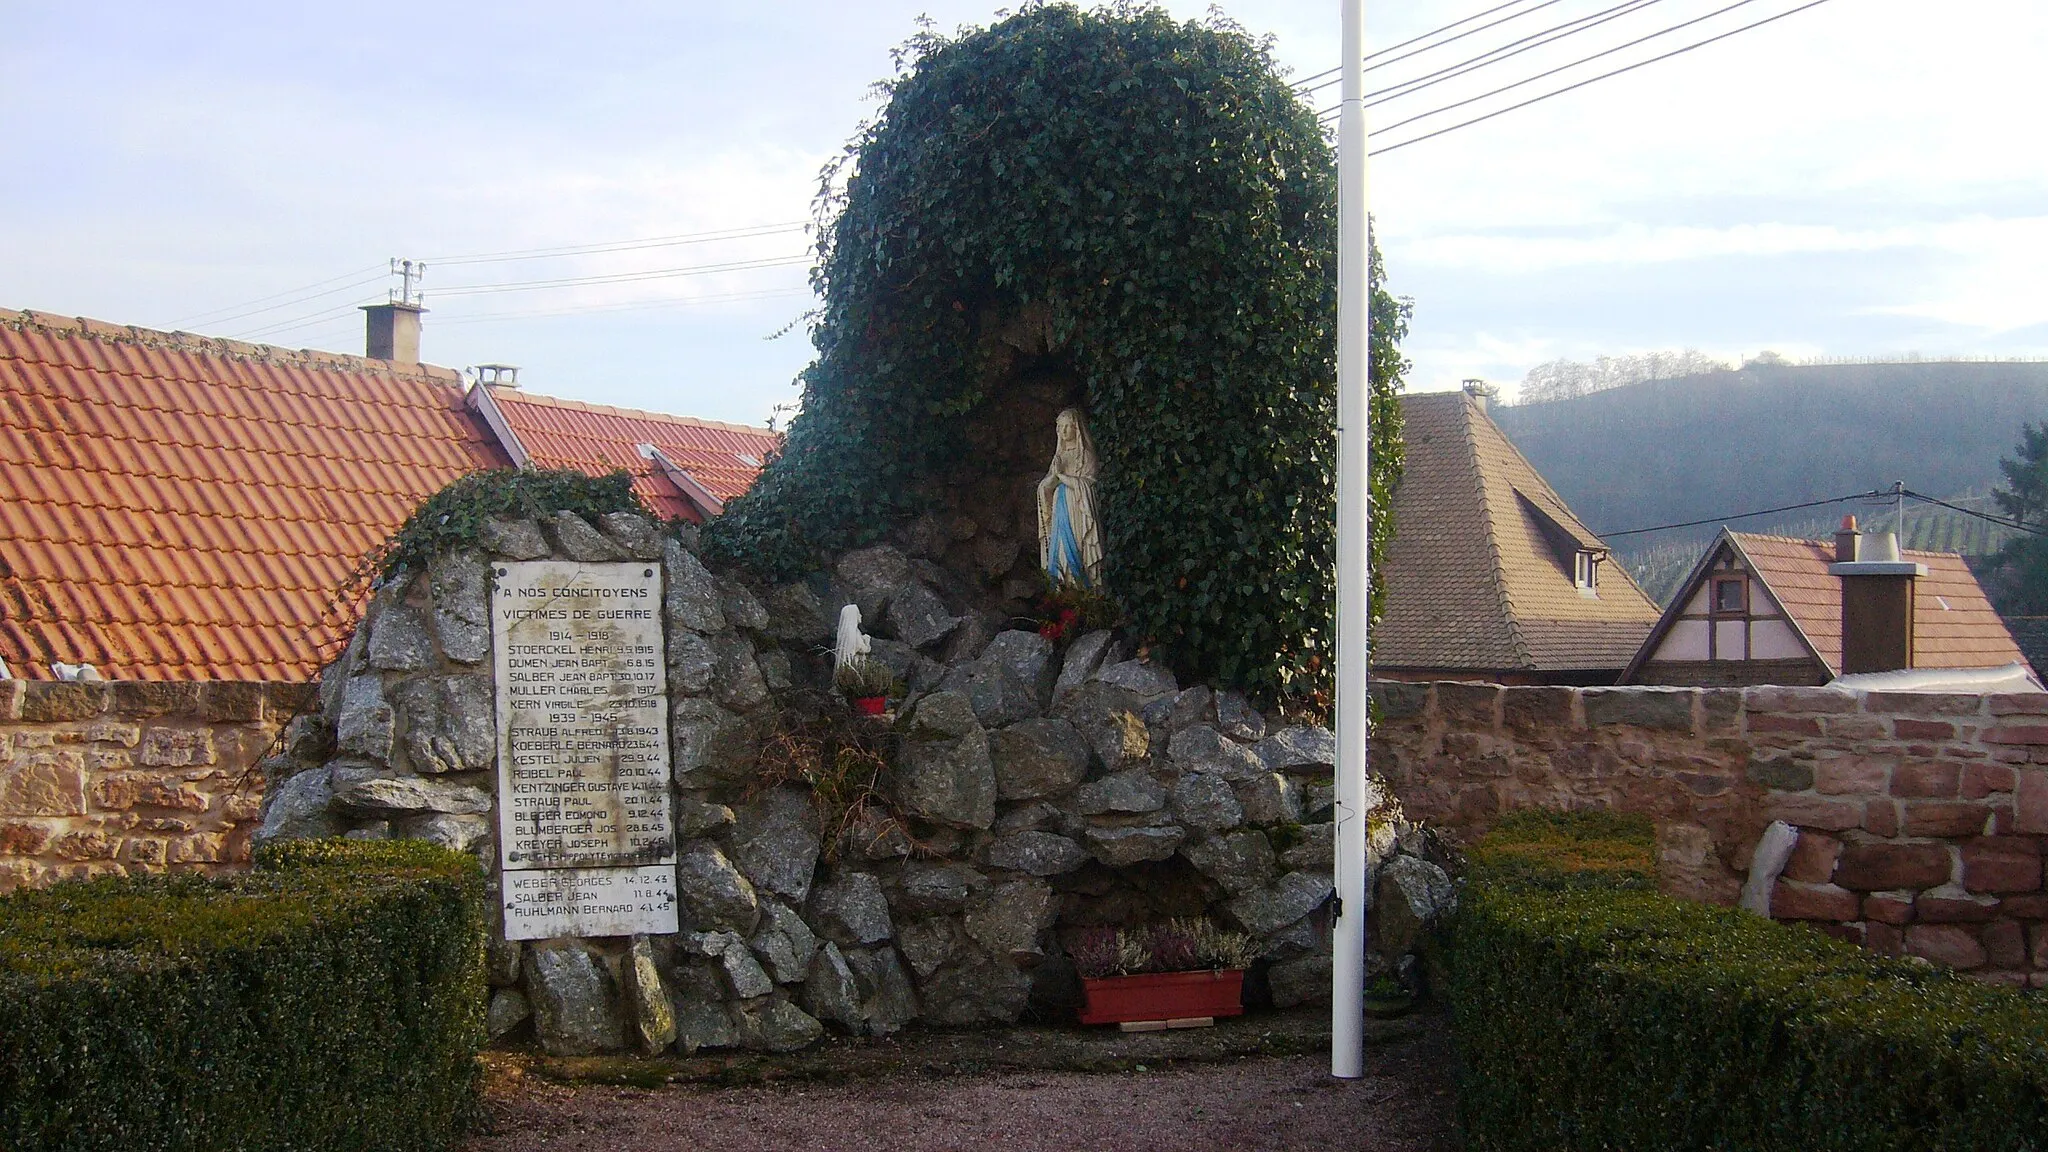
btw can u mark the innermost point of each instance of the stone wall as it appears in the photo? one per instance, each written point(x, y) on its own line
point(133, 776)
point(1922, 817)
point(1033, 787)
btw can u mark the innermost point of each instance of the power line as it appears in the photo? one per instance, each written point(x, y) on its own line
point(1481, 62)
point(1450, 40)
point(1581, 83)
point(623, 277)
point(1563, 67)
point(1872, 494)
point(306, 320)
point(1403, 44)
point(214, 317)
point(745, 233)
point(2001, 521)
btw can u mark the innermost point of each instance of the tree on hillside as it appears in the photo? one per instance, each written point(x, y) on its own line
point(1570, 379)
point(2020, 580)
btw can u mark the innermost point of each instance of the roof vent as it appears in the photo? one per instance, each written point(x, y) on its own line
point(1480, 391)
point(497, 375)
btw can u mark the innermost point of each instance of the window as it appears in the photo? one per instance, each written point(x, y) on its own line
point(1731, 594)
point(1586, 572)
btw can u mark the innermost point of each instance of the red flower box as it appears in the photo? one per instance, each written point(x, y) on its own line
point(1162, 996)
point(870, 705)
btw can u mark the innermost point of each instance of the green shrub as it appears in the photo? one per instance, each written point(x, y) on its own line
point(1593, 1013)
point(329, 999)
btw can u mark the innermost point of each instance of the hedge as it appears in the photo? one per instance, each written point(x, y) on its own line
point(1593, 1013)
point(332, 998)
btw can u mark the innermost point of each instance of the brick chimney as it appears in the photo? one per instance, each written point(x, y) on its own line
point(392, 332)
point(1877, 601)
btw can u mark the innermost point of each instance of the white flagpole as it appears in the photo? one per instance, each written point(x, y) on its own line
point(1347, 945)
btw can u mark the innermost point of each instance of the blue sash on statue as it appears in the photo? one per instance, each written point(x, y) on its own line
point(1063, 556)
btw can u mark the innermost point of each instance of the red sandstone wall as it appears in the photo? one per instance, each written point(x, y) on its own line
point(1922, 817)
point(136, 776)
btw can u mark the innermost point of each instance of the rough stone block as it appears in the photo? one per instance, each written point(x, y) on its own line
point(577, 1005)
point(1949, 944)
point(1888, 908)
point(2030, 802)
point(1532, 710)
point(1398, 700)
point(1772, 724)
point(2002, 864)
point(1955, 908)
point(2016, 734)
point(2016, 703)
point(1907, 729)
point(1981, 779)
point(1813, 860)
point(1037, 759)
point(1881, 867)
point(1924, 703)
point(1792, 900)
point(1853, 775)
point(1881, 817)
point(1803, 811)
point(1945, 818)
point(2005, 944)
point(1927, 779)
point(44, 784)
point(1464, 705)
point(54, 702)
point(1775, 698)
point(1123, 847)
point(1783, 773)
point(143, 699)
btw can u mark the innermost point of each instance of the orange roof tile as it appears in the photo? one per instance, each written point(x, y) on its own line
point(1479, 575)
point(173, 507)
point(1954, 625)
point(595, 438)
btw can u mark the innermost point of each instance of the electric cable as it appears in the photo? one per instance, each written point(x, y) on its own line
point(1481, 62)
point(1988, 517)
point(1872, 494)
point(1407, 42)
point(1581, 83)
point(210, 318)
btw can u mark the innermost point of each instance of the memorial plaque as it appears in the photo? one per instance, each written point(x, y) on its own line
point(583, 761)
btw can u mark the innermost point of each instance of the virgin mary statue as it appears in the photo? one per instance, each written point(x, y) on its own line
point(1069, 536)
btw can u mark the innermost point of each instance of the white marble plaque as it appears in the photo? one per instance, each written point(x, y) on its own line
point(544, 903)
point(583, 753)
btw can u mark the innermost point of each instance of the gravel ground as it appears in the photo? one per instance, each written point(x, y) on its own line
point(929, 1094)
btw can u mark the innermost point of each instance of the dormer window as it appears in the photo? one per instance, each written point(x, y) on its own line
point(1586, 572)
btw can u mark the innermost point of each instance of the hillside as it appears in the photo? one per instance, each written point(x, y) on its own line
point(1665, 451)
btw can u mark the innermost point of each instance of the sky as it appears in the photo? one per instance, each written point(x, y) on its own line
point(1861, 178)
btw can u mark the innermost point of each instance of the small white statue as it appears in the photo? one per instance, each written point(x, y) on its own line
point(852, 648)
point(1069, 535)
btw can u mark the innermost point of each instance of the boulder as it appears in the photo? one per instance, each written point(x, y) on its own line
point(736, 679)
point(1012, 921)
point(775, 842)
point(695, 818)
point(830, 992)
point(634, 533)
point(1128, 792)
point(1240, 862)
point(1201, 748)
point(850, 910)
point(1270, 798)
point(930, 944)
point(1083, 658)
point(1123, 847)
point(577, 1007)
point(776, 1026)
point(514, 539)
point(399, 640)
point(1037, 816)
point(970, 638)
point(1236, 717)
point(944, 774)
point(653, 1017)
point(300, 808)
point(1107, 717)
point(888, 1001)
point(1193, 706)
point(704, 1024)
point(366, 721)
point(1201, 800)
point(796, 615)
point(978, 991)
point(713, 893)
point(1034, 854)
point(995, 693)
point(1302, 980)
point(508, 1010)
point(574, 537)
point(692, 663)
point(1409, 898)
point(1141, 677)
point(691, 600)
point(919, 672)
point(455, 833)
point(1028, 656)
point(745, 978)
point(918, 617)
point(784, 943)
point(880, 570)
point(1264, 911)
point(742, 608)
point(707, 742)
point(923, 889)
point(1299, 748)
point(450, 723)
point(364, 791)
point(1315, 852)
point(501, 961)
point(1038, 758)
point(460, 583)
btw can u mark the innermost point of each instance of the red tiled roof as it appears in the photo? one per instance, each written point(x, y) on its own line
point(178, 508)
point(1479, 573)
point(1954, 625)
point(595, 438)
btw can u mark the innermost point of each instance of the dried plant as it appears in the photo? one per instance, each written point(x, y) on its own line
point(1184, 945)
point(1094, 952)
point(863, 677)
